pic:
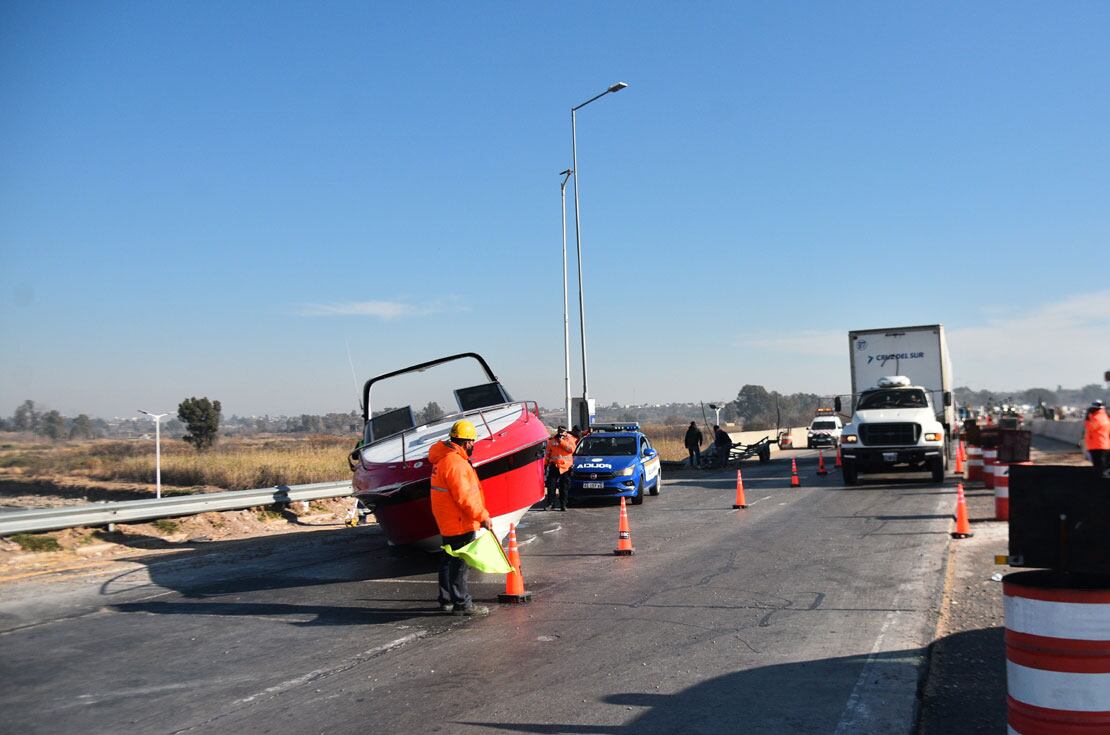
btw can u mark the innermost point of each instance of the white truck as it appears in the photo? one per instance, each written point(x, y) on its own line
point(902, 413)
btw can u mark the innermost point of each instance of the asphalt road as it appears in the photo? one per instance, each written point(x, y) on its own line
point(808, 612)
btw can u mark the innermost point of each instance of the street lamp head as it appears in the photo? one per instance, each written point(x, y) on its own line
point(568, 172)
point(617, 87)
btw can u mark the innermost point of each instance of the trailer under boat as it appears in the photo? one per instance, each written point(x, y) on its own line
point(392, 474)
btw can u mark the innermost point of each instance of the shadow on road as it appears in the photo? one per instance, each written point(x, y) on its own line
point(784, 698)
point(793, 698)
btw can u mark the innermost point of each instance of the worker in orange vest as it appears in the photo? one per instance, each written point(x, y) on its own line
point(459, 507)
point(559, 458)
point(1096, 430)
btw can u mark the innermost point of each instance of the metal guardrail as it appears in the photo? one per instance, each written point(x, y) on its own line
point(134, 511)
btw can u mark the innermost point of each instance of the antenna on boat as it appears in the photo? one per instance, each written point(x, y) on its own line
point(354, 376)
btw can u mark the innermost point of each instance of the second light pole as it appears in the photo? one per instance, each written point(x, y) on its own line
point(578, 241)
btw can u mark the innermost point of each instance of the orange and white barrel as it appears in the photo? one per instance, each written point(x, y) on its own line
point(1002, 490)
point(990, 457)
point(1057, 653)
point(974, 463)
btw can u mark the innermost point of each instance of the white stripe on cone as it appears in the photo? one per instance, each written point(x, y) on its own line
point(1070, 620)
point(1058, 690)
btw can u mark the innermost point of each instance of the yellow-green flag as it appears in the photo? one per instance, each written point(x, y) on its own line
point(484, 553)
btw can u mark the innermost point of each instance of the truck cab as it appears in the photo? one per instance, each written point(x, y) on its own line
point(895, 428)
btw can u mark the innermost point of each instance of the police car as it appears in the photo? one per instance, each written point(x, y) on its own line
point(825, 429)
point(612, 461)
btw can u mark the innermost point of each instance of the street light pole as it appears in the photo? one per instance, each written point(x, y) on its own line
point(566, 308)
point(157, 450)
point(578, 229)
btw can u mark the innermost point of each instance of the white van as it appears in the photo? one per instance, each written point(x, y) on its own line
point(824, 431)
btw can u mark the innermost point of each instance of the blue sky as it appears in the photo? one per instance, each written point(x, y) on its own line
point(215, 198)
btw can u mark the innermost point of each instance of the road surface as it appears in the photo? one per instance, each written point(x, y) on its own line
point(808, 612)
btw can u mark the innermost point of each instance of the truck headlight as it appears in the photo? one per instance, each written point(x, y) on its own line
point(933, 437)
point(627, 471)
point(849, 438)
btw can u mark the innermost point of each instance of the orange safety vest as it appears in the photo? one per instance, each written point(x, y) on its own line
point(560, 452)
point(458, 504)
point(1097, 429)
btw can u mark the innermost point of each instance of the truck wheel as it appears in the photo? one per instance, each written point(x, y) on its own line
point(849, 473)
point(936, 466)
point(638, 498)
point(658, 483)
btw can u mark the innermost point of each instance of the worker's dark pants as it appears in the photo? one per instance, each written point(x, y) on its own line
point(722, 454)
point(695, 456)
point(557, 485)
point(1100, 459)
point(453, 572)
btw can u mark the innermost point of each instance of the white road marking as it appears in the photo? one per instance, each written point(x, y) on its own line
point(305, 678)
point(857, 712)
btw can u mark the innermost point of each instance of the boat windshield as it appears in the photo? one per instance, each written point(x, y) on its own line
point(608, 446)
point(896, 398)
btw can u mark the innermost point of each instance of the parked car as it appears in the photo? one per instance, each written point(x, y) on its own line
point(612, 461)
point(824, 431)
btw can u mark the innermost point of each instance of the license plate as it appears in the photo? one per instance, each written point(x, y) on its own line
point(890, 456)
point(594, 485)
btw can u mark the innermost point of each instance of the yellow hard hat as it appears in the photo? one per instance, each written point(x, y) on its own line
point(463, 429)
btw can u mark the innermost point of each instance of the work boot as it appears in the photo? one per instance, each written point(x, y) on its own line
point(446, 607)
point(470, 610)
point(563, 508)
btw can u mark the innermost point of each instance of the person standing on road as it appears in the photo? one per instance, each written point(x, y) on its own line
point(1096, 431)
point(723, 444)
point(459, 508)
point(693, 442)
point(559, 458)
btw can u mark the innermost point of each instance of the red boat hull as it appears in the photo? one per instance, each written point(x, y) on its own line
point(509, 464)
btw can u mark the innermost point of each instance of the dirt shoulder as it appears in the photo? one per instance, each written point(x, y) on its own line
point(83, 548)
point(965, 689)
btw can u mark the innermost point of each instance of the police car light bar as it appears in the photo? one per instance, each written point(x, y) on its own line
point(622, 426)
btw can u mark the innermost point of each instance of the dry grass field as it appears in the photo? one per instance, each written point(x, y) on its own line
point(233, 464)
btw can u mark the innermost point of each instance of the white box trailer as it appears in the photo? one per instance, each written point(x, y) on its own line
point(920, 353)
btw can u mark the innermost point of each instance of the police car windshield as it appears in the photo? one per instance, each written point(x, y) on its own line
point(608, 446)
point(892, 399)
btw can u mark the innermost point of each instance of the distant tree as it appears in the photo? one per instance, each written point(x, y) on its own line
point(52, 425)
point(429, 413)
point(311, 424)
point(202, 421)
point(25, 418)
point(82, 428)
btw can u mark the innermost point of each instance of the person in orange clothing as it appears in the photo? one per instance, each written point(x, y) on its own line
point(1096, 430)
point(559, 458)
point(459, 508)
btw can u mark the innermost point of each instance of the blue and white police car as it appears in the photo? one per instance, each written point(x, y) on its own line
point(612, 461)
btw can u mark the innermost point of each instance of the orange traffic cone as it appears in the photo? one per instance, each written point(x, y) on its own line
point(821, 463)
point(959, 463)
point(514, 580)
point(963, 526)
point(794, 481)
point(839, 462)
point(740, 502)
point(962, 452)
point(624, 535)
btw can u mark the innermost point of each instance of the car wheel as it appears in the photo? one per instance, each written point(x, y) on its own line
point(658, 483)
point(936, 466)
point(638, 498)
point(849, 473)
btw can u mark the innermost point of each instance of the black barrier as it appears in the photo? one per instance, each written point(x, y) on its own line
point(1059, 519)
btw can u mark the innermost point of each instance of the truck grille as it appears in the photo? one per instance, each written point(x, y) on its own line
point(889, 435)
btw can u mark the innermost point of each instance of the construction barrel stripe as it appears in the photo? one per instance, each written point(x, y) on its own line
point(1057, 655)
point(990, 459)
point(974, 463)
